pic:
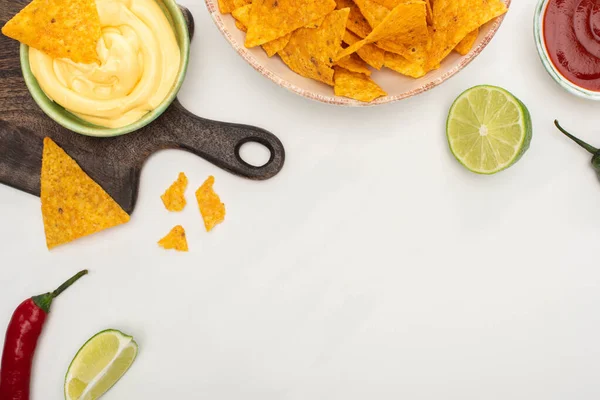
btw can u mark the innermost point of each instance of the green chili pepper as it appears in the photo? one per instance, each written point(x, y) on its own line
point(590, 149)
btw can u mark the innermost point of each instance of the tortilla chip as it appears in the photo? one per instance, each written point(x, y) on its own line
point(272, 19)
point(60, 28)
point(242, 17)
point(454, 19)
point(404, 25)
point(429, 12)
point(356, 86)
point(211, 208)
point(464, 47)
point(389, 4)
point(275, 46)
point(401, 65)
point(374, 12)
point(174, 196)
point(73, 205)
point(311, 52)
point(357, 23)
point(240, 26)
point(175, 240)
point(315, 24)
point(226, 6)
point(355, 64)
point(371, 54)
point(241, 3)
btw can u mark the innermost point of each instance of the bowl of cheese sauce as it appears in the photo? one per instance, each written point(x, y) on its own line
point(143, 53)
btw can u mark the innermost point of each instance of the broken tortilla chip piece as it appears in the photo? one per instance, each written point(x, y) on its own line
point(73, 205)
point(356, 86)
point(272, 19)
point(454, 19)
point(311, 52)
point(175, 240)
point(60, 28)
point(355, 64)
point(357, 23)
point(174, 196)
point(211, 208)
point(464, 47)
point(371, 54)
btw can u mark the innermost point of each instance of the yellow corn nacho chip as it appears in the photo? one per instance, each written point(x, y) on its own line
point(242, 17)
point(60, 28)
point(357, 23)
point(371, 54)
point(454, 19)
point(356, 86)
point(241, 3)
point(73, 205)
point(355, 64)
point(241, 26)
point(226, 6)
point(401, 65)
point(310, 52)
point(464, 47)
point(275, 46)
point(175, 240)
point(405, 25)
point(373, 12)
point(174, 196)
point(211, 208)
point(429, 12)
point(272, 19)
point(389, 4)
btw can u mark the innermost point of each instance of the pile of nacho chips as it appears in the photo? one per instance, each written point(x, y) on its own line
point(337, 42)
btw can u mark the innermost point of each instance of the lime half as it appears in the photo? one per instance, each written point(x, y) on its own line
point(488, 129)
point(99, 364)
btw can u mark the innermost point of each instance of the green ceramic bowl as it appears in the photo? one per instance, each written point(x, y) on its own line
point(76, 124)
point(538, 33)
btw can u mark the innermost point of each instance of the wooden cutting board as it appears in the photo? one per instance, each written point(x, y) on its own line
point(115, 163)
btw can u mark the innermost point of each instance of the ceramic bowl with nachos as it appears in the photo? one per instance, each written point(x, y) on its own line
point(358, 52)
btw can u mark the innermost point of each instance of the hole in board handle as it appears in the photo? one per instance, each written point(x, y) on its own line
point(254, 152)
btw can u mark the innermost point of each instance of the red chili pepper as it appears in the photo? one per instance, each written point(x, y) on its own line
point(22, 335)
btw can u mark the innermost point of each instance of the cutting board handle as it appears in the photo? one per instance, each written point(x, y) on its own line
point(220, 142)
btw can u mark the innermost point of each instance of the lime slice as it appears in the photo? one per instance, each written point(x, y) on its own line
point(488, 129)
point(99, 364)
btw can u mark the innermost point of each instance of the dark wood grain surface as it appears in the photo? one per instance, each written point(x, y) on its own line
point(115, 163)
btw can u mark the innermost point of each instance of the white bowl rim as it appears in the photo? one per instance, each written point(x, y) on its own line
point(214, 12)
point(538, 32)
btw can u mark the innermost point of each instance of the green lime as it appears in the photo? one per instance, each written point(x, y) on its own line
point(488, 129)
point(99, 364)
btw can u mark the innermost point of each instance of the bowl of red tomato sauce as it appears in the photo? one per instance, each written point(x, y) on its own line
point(567, 35)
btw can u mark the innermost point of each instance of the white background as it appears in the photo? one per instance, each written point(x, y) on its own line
point(373, 266)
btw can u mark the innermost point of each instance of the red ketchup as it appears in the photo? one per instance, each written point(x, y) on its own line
point(572, 36)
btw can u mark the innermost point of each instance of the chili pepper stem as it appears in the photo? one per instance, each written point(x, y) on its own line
point(44, 301)
point(580, 142)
